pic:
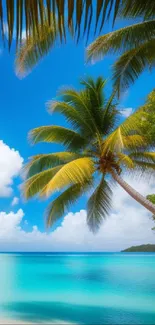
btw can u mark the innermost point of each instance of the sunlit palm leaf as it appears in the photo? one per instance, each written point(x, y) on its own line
point(37, 182)
point(58, 134)
point(99, 205)
point(134, 141)
point(117, 141)
point(125, 160)
point(75, 172)
point(121, 40)
point(114, 141)
point(61, 204)
point(44, 161)
point(34, 49)
point(124, 138)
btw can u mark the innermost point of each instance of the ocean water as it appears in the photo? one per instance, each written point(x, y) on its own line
point(110, 288)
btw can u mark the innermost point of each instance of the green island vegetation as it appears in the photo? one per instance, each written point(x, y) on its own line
point(141, 248)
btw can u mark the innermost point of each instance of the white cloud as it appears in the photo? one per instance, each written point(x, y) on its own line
point(15, 201)
point(10, 166)
point(9, 223)
point(129, 224)
point(127, 111)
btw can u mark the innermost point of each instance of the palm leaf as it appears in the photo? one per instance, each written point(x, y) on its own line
point(125, 160)
point(58, 134)
point(145, 169)
point(140, 8)
point(77, 171)
point(80, 14)
point(61, 204)
point(34, 49)
point(81, 101)
point(44, 161)
point(96, 99)
point(121, 40)
point(148, 157)
point(99, 205)
point(91, 106)
point(114, 142)
point(37, 182)
point(72, 115)
point(124, 138)
point(134, 141)
point(132, 63)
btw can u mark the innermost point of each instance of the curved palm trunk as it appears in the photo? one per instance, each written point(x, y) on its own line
point(134, 194)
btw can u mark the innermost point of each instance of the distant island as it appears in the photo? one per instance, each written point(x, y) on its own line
point(141, 248)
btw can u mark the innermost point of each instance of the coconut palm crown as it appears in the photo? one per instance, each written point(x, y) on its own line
point(99, 151)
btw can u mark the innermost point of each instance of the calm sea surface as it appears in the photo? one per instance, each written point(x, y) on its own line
point(112, 288)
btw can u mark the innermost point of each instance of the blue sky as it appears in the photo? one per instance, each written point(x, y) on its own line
point(22, 105)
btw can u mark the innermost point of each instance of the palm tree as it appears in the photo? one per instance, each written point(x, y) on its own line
point(134, 45)
point(99, 151)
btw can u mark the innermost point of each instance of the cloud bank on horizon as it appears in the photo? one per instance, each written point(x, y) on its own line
point(129, 223)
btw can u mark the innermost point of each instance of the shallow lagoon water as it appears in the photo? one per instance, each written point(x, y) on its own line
point(108, 288)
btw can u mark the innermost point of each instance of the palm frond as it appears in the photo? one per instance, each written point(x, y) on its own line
point(33, 49)
point(133, 124)
point(122, 40)
point(125, 160)
point(80, 15)
point(132, 63)
point(37, 182)
point(145, 169)
point(77, 171)
point(140, 8)
point(99, 205)
point(134, 141)
point(80, 100)
point(114, 142)
point(124, 138)
point(41, 162)
point(95, 98)
point(58, 134)
point(61, 204)
point(72, 115)
point(148, 157)
point(90, 105)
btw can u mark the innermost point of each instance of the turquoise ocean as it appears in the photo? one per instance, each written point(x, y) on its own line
point(108, 288)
